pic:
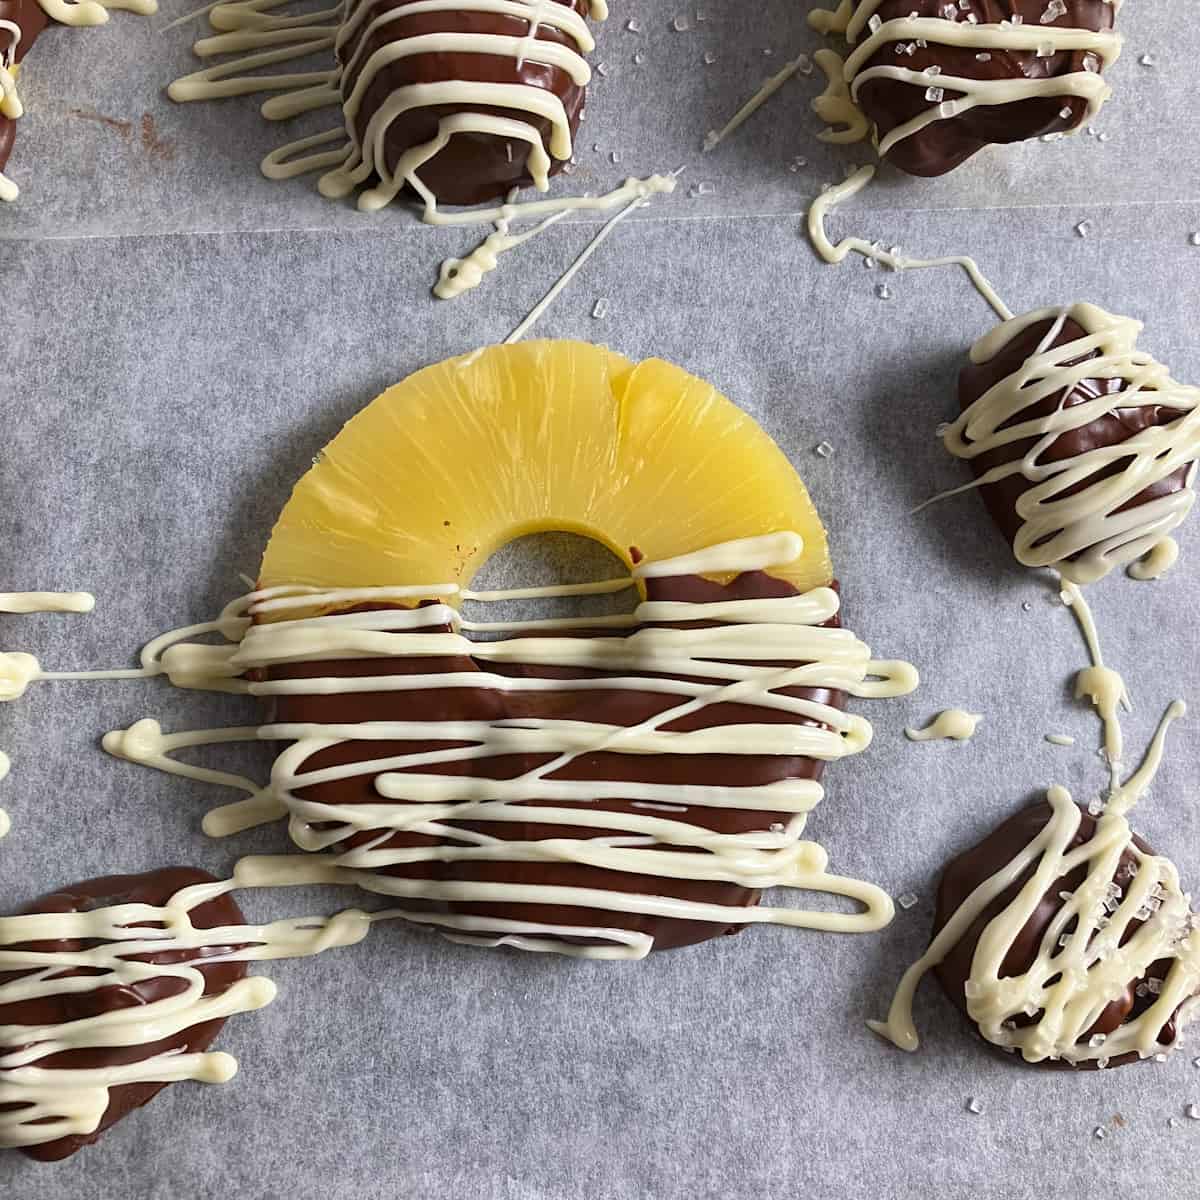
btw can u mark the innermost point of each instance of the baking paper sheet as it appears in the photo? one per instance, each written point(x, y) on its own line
point(162, 393)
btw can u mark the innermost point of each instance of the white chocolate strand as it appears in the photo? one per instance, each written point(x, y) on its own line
point(1074, 516)
point(35, 602)
point(952, 723)
point(957, 94)
point(829, 199)
point(770, 86)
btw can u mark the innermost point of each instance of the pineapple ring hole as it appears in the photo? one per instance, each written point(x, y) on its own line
point(549, 560)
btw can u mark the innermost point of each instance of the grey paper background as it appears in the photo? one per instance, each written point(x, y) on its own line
point(161, 393)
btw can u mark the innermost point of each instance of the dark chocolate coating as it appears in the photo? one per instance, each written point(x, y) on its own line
point(472, 167)
point(617, 706)
point(1113, 429)
point(943, 145)
point(153, 888)
point(1000, 847)
point(31, 19)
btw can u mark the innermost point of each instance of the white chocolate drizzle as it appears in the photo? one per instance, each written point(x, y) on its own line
point(459, 275)
point(695, 668)
point(35, 602)
point(829, 199)
point(960, 93)
point(952, 723)
point(57, 1102)
point(1070, 515)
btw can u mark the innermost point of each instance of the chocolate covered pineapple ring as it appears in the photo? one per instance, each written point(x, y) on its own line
point(97, 1017)
point(942, 79)
point(1084, 447)
point(597, 787)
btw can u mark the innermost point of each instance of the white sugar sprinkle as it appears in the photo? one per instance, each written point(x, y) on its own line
point(1066, 112)
point(701, 189)
point(883, 291)
point(906, 900)
point(1083, 228)
point(680, 24)
point(874, 23)
point(1192, 1112)
point(639, 57)
point(983, 56)
point(1099, 1133)
point(934, 94)
point(633, 26)
point(973, 1106)
point(1147, 60)
point(824, 449)
point(602, 68)
point(709, 58)
point(600, 308)
point(797, 163)
point(1194, 239)
point(1172, 1122)
point(1160, 1058)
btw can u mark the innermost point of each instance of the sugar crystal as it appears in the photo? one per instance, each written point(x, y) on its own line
point(906, 900)
point(973, 1106)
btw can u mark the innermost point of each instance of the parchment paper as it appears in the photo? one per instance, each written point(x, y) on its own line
point(162, 393)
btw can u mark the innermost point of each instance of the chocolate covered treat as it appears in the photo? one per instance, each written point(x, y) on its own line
point(458, 101)
point(1083, 446)
point(136, 993)
point(1063, 937)
point(941, 79)
point(1137, 992)
point(593, 785)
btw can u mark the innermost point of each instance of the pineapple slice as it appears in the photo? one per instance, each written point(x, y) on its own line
point(442, 470)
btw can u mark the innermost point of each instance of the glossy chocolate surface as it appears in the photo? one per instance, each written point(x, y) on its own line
point(153, 888)
point(619, 706)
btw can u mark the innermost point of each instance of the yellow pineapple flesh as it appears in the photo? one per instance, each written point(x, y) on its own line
point(445, 468)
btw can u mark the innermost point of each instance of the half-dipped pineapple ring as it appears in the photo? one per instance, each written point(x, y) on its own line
point(600, 787)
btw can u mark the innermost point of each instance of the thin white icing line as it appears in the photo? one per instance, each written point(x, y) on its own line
point(35, 602)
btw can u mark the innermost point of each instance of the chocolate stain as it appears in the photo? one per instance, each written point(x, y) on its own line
point(155, 146)
point(124, 128)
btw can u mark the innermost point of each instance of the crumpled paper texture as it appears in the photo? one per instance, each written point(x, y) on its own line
point(161, 394)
